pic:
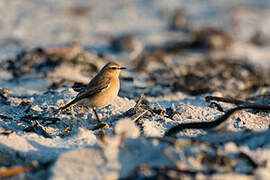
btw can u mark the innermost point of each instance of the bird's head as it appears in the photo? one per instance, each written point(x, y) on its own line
point(112, 69)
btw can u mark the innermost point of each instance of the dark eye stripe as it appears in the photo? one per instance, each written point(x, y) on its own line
point(114, 68)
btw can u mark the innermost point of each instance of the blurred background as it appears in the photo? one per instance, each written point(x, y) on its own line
point(178, 52)
point(145, 35)
point(34, 23)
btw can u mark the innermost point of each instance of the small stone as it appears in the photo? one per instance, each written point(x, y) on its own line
point(36, 108)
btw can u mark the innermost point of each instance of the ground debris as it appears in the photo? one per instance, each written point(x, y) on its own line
point(212, 38)
point(37, 128)
point(147, 172)
point(206, 38)
point(46, 120)
point(29, 62)
point(210, 160)
point(232, 77)
point(4, 117)
point(127, 43)
point(260, 39)
point(9, 172)
point(141, 105)
point(227, 100)
point(209, 125)
point(228, 76)
point(43, 61)
point(142, 108)
point(5, 131)
point(13, 172)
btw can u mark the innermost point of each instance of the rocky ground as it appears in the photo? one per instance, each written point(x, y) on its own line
point(190, 65)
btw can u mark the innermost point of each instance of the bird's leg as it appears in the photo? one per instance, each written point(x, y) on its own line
point(100, 124)
point(95, 111)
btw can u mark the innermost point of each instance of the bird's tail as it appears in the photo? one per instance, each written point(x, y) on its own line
point(65, 107)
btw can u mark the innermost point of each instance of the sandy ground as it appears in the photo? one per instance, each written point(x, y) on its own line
point(65, 146)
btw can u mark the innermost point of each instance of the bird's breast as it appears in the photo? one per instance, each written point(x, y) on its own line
point(104, 97)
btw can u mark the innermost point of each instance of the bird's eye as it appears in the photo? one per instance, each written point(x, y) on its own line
point(114, 68)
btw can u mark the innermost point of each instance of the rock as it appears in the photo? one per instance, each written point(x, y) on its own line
point(36, 108)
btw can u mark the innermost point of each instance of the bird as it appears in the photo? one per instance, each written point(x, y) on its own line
point(100, 91)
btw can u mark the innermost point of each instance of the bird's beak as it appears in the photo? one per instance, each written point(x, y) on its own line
point(122, 68)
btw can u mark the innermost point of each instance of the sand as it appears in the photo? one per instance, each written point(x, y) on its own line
point(65, 146)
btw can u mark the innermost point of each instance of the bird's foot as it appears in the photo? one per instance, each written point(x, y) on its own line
point(101, 125)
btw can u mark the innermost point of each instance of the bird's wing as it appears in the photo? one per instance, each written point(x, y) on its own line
point(95, 86)
point(78, 87)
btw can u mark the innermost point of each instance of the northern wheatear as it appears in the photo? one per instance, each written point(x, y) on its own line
point(100, 91)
